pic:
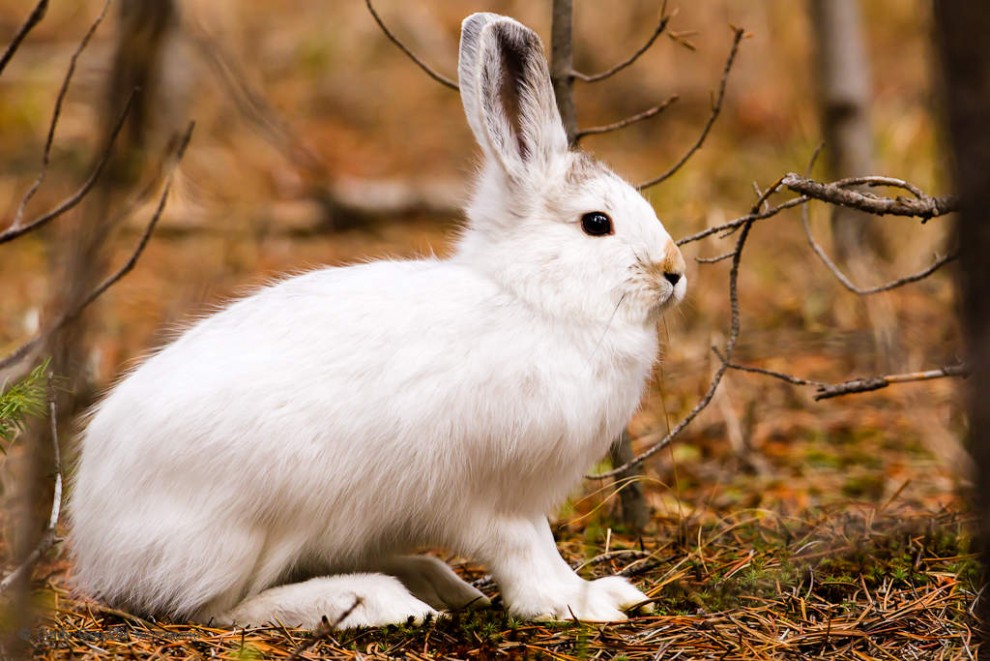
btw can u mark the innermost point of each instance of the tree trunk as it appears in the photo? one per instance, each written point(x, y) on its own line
point(843, 75)
point(635, 513)
point(81, 260)
point(962, 29)
point(844, 97)
point(562, 65)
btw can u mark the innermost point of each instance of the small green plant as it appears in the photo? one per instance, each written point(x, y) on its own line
point(25, 399)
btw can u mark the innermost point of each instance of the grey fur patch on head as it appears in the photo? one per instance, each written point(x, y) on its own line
point(583, 168)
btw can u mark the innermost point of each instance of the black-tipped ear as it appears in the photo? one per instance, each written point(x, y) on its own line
point(507, 95)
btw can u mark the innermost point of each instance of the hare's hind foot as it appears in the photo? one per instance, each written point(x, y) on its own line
point(346, 601)
point(433, 582)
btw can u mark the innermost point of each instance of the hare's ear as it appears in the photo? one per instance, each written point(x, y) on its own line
point(507, 95)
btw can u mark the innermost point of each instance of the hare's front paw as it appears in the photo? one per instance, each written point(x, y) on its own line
point(602, 600)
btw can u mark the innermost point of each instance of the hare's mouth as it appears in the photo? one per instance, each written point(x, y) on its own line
point(670, 295)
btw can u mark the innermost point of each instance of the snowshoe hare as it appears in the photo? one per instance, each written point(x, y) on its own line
point(282, 457)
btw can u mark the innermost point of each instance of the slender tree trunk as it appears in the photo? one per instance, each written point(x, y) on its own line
point(562, 64)
point(80, 262)
point(843, 75)
point(844, 96)
point(962, 29)
point(635, 513)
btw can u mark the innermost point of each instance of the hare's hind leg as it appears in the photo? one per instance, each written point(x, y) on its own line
point(432, 581)
point(346, 600)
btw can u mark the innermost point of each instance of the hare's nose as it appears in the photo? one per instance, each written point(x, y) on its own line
point(673, 265)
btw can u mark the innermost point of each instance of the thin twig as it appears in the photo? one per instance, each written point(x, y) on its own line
point(730, 345)
point(621, 124)
point(716, 259)
point(440, 78)
point(865, 384)
point(922, 206)
point(35, 17)
point(254, 106)
point(733, 225)
point(716, 109)
point(14, 232)
point(657, 31)
point(866, 291)
point(56, 113)
point(325, 630)
point(28, 347)
point(826, 391)
point(783, 376)
point(48, 538)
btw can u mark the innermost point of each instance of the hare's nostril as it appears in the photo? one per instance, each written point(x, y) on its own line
point(672, 278)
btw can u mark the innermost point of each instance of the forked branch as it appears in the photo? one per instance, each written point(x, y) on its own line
point(657, 31)
point(738, 34)
point(16, 231)
point(29, 347)
point(56, 113)
point(841, 193)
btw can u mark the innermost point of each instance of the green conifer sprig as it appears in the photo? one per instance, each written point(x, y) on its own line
point(25, 399)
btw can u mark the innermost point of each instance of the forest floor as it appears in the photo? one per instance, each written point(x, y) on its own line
point(781, 527)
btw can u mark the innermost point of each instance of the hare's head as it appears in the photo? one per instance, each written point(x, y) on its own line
point(552, 224)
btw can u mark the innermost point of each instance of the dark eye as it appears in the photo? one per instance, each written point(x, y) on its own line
point(596, 223)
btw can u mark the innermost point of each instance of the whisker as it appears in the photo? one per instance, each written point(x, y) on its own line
point(607, 326)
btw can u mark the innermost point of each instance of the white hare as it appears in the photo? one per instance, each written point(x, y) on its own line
point(281, 458)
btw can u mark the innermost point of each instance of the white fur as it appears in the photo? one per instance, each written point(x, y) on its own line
point(280, 457)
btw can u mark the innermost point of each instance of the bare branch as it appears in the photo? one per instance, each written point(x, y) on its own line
point(56, 113)
point(783, 376)
point(48, 538)
point(31, 345)
point(324, 630)
point(15, 231)
point(254, 106)
point(716, 259)
point(865, 384)
point(143, 241)
point(866, 291)
point(35, 17)
point(443, 80)
point(826, 391)
point(730, 345)
point(621, 124)
point(922, 206)
point(733, 225)
point(739, 33)
point(657, 31)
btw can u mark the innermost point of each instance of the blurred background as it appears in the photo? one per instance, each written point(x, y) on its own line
point(318, 142)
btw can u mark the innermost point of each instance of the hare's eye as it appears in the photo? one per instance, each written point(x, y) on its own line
point(596, 223)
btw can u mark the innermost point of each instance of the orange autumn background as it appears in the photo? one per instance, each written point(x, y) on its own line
point(306, 108)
